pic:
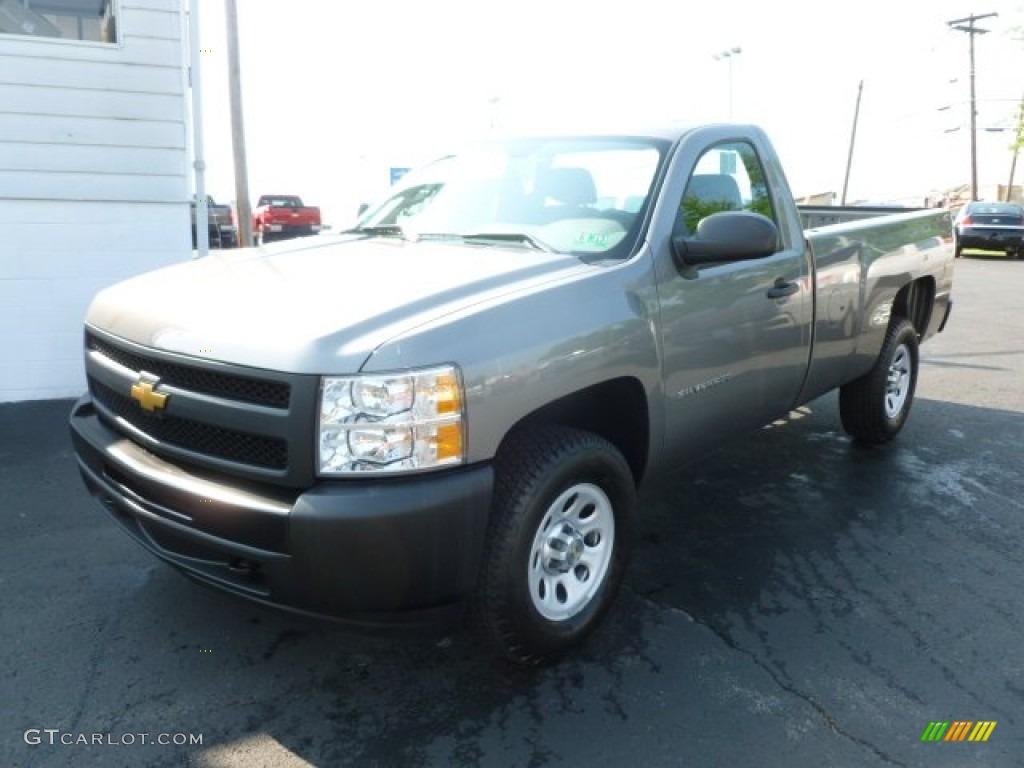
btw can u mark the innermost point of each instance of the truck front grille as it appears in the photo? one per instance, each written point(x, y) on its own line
point(273, 394)
point(247, 422)
point(227, 444)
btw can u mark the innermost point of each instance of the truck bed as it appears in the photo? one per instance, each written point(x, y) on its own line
point(859, 265)
point(814, 216)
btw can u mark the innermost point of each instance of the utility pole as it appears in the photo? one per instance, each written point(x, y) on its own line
point(967, 25)
point(242, 206)
point(853, 138)
point(1018, 139)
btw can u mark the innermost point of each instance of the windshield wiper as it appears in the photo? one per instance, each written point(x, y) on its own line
point(509, 237)
point(384, 230)
point(393, 230)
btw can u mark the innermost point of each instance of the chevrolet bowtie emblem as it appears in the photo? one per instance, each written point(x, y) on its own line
point(143, 391)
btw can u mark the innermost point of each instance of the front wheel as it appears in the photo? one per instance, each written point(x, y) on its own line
point(875, 407)
point(558, 542)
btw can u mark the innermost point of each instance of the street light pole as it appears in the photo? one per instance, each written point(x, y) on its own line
point(199, 200)
point(971, 30)
point(492, 111)
point(729, 55)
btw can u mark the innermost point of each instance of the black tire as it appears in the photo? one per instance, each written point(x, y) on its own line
point(875, 407)
point(257, 239)
point(524, 554)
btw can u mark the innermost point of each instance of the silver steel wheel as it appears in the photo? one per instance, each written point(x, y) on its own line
point(898, 382)
point(571, 552)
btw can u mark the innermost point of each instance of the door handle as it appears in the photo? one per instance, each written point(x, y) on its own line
point(782, 289)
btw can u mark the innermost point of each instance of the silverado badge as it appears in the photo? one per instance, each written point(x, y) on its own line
point(143, 391)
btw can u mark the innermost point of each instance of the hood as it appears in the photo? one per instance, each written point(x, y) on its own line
point(318, 308)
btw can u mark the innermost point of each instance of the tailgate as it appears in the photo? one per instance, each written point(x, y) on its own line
point(306, 215)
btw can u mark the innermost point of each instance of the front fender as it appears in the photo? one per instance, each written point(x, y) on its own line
point(527, 349)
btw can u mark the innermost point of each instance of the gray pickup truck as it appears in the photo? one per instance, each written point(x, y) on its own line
point(223, 232)
point(452, 405)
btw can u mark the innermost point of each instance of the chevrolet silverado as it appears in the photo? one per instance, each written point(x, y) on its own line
point(448, 409)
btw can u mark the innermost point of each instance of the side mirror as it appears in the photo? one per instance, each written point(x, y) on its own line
point(727, 236)
point(362, 209)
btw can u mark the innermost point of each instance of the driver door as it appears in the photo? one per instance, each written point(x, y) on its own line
point(735, 351)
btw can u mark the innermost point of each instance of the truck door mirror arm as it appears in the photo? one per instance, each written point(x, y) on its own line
point(727, 236)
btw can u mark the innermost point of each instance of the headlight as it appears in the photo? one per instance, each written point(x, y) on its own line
point(390, 422)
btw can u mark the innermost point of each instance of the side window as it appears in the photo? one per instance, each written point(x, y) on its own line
point(728, 177)
point(91, 20)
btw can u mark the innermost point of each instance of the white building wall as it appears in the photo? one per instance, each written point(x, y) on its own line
point(94, 184)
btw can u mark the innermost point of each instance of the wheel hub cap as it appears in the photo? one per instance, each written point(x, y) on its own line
point(898, 382)
point(571, 552)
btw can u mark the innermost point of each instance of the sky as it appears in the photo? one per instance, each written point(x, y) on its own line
point(334, 94)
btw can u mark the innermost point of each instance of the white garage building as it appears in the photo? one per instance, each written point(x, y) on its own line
point(94, 171)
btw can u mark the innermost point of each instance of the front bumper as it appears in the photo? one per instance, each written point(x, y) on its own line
point(371, 552)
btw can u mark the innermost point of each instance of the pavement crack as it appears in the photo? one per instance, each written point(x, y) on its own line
point(779, 681)
point(99, 651)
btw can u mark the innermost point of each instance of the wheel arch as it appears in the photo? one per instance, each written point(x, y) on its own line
point(915, 301)
point(616, 409)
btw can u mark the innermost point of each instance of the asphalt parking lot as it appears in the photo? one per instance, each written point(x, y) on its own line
point(793, 601)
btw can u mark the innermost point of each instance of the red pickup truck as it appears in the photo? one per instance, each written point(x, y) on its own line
point(279, 217)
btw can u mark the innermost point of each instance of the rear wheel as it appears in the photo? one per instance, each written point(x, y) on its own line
point(558, 542)
point(875, 407)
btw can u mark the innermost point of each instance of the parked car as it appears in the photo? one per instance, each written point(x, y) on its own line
point(457, 400)
point(221, 226)
point(990, 227)
point(278, 217)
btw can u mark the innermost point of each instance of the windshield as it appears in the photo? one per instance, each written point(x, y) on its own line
point(281, 202)
point(582, 196)
point(996, 209)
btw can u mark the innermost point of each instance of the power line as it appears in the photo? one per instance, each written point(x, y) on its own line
point(967, 25)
